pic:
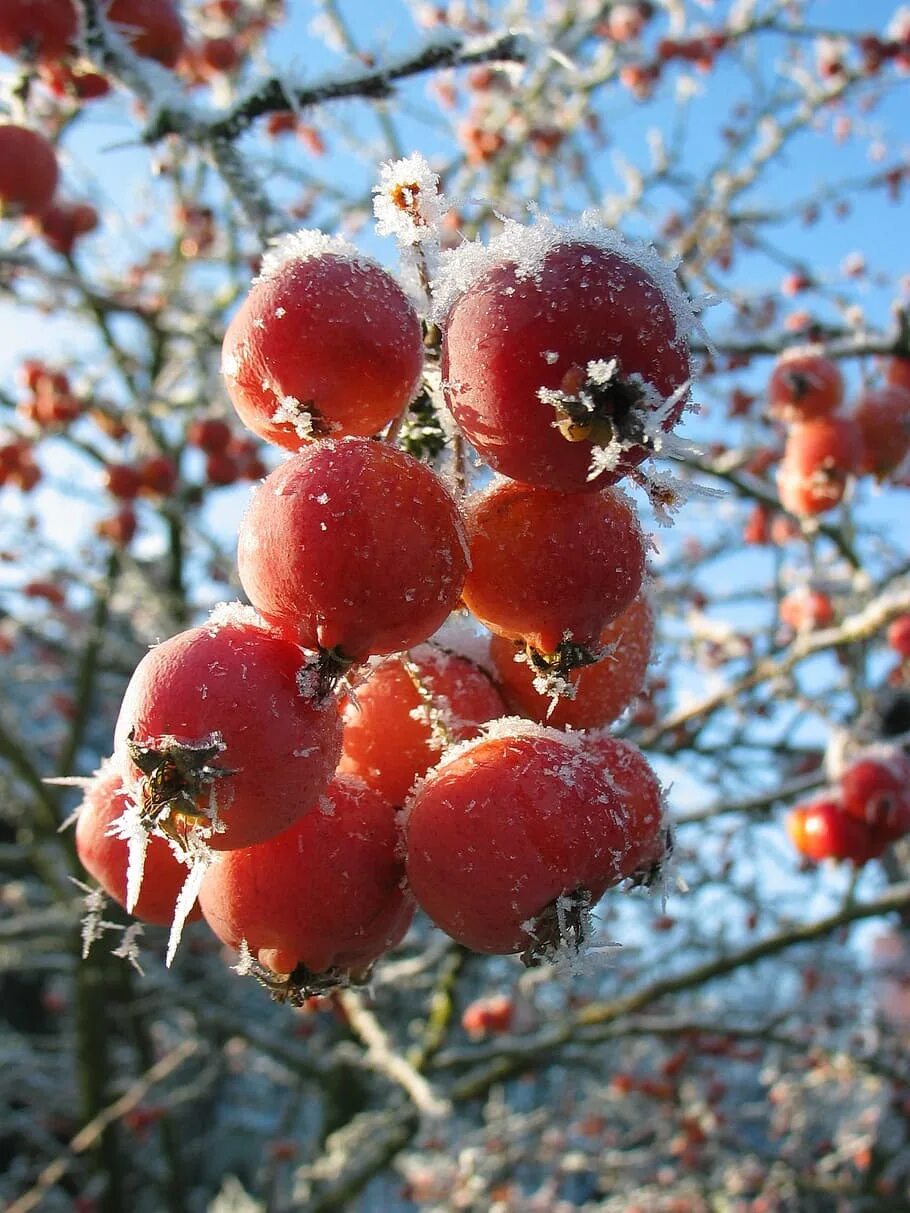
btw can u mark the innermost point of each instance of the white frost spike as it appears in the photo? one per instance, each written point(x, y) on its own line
point(129, 946)
point(130, 828)
point(200, 858)
point(408, 203)
point(246, 961)
point(93, 925)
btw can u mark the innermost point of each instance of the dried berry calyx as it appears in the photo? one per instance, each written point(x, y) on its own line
point(596, 403)
point(562, 927)
point(300, 984)
point(177, 785)
point(556, 667)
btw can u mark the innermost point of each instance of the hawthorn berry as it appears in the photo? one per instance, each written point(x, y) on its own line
point(564, 356)
point(219, 730)
point(28, 171)
point(320, 900)
point(551, 569)
point(153, 28)
point(805, 384)
point(408, 709)
point(37, 29)
point(157, 475)
point(122, 481)
point(510, 838)
point(104, 855)
point(876, 790)
point(326, 343)
point(630, 774)
point(490, 1016)
point(898, 635)
point(821, 829)
point(602, 691)
point(63, 223)
point(819, 458)
point(353, 546)
point(805, 609)
point(883, 418)
point(210, 434)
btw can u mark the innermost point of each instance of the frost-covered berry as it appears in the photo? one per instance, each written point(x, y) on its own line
point(325, 344)
point(353, 546)
point(565, 356)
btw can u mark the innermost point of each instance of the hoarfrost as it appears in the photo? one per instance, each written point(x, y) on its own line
point(305, 245)
point(129, 946)
point(408, 203)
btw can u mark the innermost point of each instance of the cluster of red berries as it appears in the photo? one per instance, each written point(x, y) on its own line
point(825, 448)
point(565, 362)
point(867, 812)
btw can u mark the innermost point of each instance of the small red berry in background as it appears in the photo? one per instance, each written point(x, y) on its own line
point(822, 829)
point(157, 475)
point(552, 381)
point(898, 635)
point(353, 546)
point(805, 609)
point(28, 171)
point(64, 223)
point(221, 468)
point(326, 343)
point(820, 456)
point(38, 29)
point(804, 385)
point(122, 481)
point(897, 373)
point(407, 710)
point(223, 712)
point(210, 434)
point(883, 418)
point(510, 838)
point(876, 790)
point(490, 1016)
point(105, 856)
point(153, 28)
point(551, 567)
point(327, 893)
point(602, 691)
point(120, 528)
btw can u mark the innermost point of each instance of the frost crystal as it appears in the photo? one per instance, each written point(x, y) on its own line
point(232, 615)
point(408, 203)
point(199, 858)
point(93, 925)
point(304, 246)
point(291, 412)
point(129, 826)
point(129, 946)
point(246, 961)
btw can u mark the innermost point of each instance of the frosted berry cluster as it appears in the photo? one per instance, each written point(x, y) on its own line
point(321, 761)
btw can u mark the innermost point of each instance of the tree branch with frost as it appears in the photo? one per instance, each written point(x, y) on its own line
point(374, 83)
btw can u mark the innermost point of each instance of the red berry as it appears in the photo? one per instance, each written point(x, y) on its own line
point(221, 468)
point(63, 223)
point(326, 893)
point(157, 475)
point(488, 1016)
point(506, 827)
point(819, 458)
point(326, 343)
point(240, 692)
point(876, 790)
point(899, 635)
point(548, 566)
point(560, 345)
point(210, 434)
point(805, 385)
point(122, 481)
point(219, 54)
point(28, 171)
point(883, 417)
point(152, 27)
point(353, 545)
point(602, 691)
point(120, 528)
point(43, 29)
point(806, 609)
point(822, 830)
point(405, 713)
point(630, 775)
point(897, 373)
point(105, 857)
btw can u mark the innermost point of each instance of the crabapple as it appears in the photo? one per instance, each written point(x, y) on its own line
point(326, 343)
point(40, 29)
point(326, 894)
point(602, 691)
point(898, 635)
point(210, 434)
point(883, 418)
point(407, 710)
point(632, 777)
point(157, 475)
point(488, 1016)
point(804, 385)
point(509, 838)
point(122, 481)
point(551, 567)
point(561, 346)
point(819, 457)
point(821, 829)
point(876, 790)
point(105, 856)
point(62, 224)
point(28, 171)
point(352, 545)
point(152, 27)
point(219, 731)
